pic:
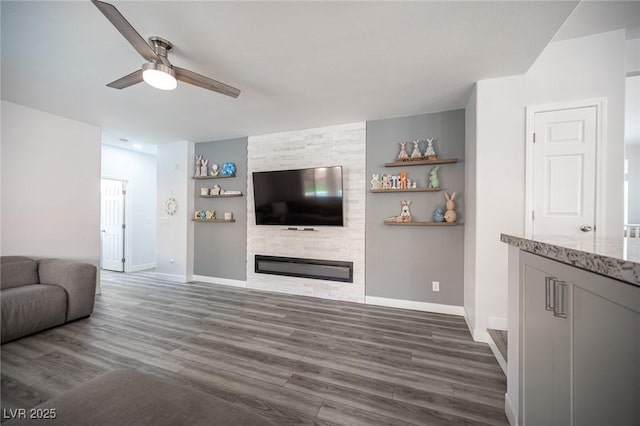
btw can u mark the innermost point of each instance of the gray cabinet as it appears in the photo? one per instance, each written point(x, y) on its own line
point(545, 347)
point(580, 346)
point(605, 350)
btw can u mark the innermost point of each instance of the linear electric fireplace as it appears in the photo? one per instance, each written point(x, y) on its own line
point(330, 270)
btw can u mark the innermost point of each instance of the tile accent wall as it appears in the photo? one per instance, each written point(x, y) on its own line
point(343, 145)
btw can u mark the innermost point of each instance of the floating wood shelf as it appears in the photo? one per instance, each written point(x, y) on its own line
point(421, 162)
point(213, 220)
point(377, 191)
point(214, 177)
point(420, 223)
point(221, 195)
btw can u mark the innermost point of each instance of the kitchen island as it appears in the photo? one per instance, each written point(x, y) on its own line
point(574, 331)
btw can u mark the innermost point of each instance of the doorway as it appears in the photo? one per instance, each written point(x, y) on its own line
point(112, 224)
point(565, 190)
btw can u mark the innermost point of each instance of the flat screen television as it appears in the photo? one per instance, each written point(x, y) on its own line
point(303, 197)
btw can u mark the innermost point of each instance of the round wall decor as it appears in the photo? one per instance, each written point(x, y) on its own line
point(171, 206)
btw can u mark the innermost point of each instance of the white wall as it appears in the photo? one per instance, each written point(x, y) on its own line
point(470, 228)
point(174, 236)
point(139, 170)
point(342, 145)
point(632, 55)
point(575, 69)
point(50, 185)
point(632, 153)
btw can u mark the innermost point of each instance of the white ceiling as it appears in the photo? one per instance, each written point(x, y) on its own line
point(298, 64)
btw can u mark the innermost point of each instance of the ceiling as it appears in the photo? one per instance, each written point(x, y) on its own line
point(298, 64)
point(592, 17)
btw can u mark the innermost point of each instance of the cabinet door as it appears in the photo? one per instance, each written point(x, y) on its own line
point(606, 351)
point(545, 348)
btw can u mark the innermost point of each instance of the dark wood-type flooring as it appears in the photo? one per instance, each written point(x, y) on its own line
point(500, 339)
point(296, 360)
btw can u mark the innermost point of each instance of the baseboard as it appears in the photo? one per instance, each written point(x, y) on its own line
point(510, 411)
point(172, 277)
point(497, 323)
point(142, 267)
point(478, 334)
point(496, 353)
point(469, 325)
point(416, 306)
point(221, 281)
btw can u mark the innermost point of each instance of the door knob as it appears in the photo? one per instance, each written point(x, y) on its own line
point(586, 228)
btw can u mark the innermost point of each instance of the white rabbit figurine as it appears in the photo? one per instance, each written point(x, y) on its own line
point(204, 167)
point(450, 215)
point(403, 151)
point(430, 153)
point(416, 150)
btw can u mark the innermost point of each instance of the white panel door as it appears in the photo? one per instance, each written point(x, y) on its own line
point(112, 224)
point(564, 181)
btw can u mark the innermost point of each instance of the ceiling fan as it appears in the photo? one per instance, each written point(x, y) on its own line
point(157, 71)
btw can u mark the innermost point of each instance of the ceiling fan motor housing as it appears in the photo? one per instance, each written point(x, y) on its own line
point(158, 66)
point(160, 45)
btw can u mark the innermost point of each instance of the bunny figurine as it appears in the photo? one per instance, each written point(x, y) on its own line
point(416, 150)
point(204, 167)
point(405, 216)
point(198, 164)
point(450, 215)
point(403, 151)
point(434, 182)
point(430, 153)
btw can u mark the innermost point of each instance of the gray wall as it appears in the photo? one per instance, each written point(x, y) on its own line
point(221, 248)
point(632, 153)
point(402, 261)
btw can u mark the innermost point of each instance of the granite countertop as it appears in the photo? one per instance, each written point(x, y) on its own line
point(615, 258)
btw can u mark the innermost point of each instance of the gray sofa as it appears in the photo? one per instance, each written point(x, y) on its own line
point(40, 294)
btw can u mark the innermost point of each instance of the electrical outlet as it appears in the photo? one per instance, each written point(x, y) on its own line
point(435, 285)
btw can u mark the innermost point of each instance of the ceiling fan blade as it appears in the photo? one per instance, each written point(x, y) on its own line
point(128, 80)
point(205, 82)
point(127, 30)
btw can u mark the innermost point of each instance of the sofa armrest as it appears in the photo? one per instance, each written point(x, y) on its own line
point(78, 279)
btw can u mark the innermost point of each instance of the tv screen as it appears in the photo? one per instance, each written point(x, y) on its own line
point(304, 197)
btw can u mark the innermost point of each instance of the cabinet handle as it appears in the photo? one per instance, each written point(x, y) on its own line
point(559, 296)
point(548, 298)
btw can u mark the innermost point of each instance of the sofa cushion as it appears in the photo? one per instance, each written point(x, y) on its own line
point(31, 308)
point(77, 278)
point(17, 271)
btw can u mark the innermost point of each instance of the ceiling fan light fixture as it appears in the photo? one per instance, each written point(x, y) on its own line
point(159, 76)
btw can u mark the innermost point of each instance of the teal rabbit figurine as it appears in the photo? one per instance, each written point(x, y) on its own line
point(434, 182)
